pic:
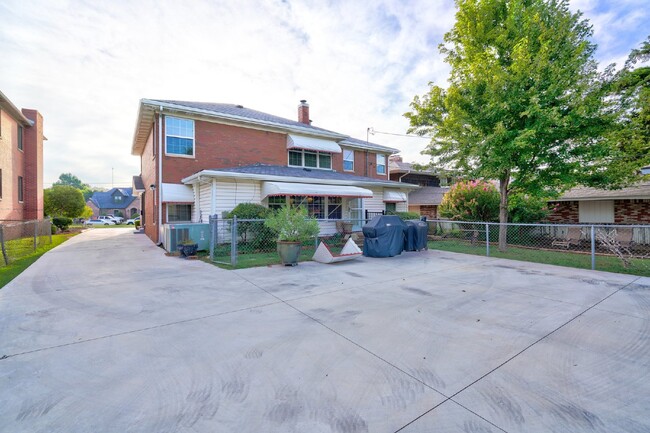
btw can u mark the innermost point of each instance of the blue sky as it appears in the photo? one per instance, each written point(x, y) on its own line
point(85, 65)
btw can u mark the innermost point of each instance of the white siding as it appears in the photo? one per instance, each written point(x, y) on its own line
point(376, 203)
point(205, 201)
point(231, 193)
point(597, 211)
point(401, 206)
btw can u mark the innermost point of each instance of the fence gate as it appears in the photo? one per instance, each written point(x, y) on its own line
point(223, 240)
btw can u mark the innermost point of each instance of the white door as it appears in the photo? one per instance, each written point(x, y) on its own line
point(356, 213)
point(596, 211)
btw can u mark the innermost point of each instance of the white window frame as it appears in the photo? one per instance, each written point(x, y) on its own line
point(382, 165)
point(302, 159)
point(326, 205)
point(167, 134)
point(348, 160)
point(178, 204)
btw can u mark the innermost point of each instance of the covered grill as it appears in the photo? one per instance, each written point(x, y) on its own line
point(384, 236)
point(416, 235)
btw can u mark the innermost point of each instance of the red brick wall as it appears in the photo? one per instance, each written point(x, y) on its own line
point(150, 177)
point(223, 146)
point(359, 164)
point(632, 211)
point(564, 212)
point(33, 160)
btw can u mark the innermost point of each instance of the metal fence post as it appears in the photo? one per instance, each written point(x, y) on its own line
point(2, 241)
point(233, 241)
point(593, 248)
point(213, 229)
point(35, 235)
point(49, 230)
point(487, 239)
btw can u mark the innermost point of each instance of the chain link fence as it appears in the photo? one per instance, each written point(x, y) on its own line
point(248, 242)
point(608, 247)
point(21, 238)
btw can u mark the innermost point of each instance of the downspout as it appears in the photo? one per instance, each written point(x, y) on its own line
point(160, 162)
point(405, 174)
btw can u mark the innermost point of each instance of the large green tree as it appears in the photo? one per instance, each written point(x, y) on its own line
point(69, 179)
point(63, 201)
point(629, 90)
point(524, 104)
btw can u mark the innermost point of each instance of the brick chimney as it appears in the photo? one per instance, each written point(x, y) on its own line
point(303, 112)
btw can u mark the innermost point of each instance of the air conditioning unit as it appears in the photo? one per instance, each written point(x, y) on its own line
point(177, 233)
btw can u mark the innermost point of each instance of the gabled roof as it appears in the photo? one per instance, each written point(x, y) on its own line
point(288, 174)
point(234, 114)
point(104, 200)
point(8, 107)
point(428, 195)
point(640, 190)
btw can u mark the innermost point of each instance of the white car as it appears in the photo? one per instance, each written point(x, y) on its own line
point(132, 221)
point(107, 218)
point(117, 219)
point(98, 222)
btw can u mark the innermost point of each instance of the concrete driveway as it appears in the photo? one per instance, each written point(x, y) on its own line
point(106, 334)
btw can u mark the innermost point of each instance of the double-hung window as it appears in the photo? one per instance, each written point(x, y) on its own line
point(179, 213)
point(179, 136)
point(310, 159)
point(21, 191)
point(381, 164)
point(20, 137)
point(348, 160)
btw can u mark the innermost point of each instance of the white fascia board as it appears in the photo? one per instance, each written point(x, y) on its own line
point(241, 119)
point(262, 177)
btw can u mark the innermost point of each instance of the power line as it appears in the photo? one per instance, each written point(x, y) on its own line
point(373, 131)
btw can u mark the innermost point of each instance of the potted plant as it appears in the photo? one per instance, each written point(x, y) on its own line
point(187, 248)
point(293, 227)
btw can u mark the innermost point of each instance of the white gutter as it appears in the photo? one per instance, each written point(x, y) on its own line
point(310, 131)
point(262, 177)
point(160, 160)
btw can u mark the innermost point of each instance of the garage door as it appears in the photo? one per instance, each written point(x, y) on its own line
point(598, 211)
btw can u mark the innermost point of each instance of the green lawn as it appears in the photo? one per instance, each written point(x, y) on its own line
point(561, 258)
point(14, 268)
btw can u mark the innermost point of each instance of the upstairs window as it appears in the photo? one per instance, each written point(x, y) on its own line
point(20, 137)
point(179, 136)
point(117, 198)
point(310, 159)
point(381, 164)
point(348, 160)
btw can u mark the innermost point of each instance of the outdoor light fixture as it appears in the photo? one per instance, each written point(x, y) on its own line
point(153, 187)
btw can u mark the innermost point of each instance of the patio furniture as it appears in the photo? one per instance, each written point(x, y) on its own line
point(572, 238)
point(350, 251)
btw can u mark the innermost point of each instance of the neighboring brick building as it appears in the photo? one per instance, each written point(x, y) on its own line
point(433, 186)
point(21, 162)
point(201, 159)
point(629, 205)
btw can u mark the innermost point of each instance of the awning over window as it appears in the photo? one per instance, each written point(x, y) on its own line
point(393, 196)
point(177, 193)
point(286, 188)
point(310, 143)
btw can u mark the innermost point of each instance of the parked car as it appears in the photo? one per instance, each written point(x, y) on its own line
point(98, 222)
point(108, 218)
point(131, 221)
point(118, 219)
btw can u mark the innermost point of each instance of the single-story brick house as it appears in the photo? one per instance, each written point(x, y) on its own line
point(629, 205)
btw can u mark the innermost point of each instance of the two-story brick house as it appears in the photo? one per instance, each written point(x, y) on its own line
point(201, 159)
point(21, 162)
point(116, 201)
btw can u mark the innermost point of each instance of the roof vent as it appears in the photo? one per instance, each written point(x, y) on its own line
point(239, 106)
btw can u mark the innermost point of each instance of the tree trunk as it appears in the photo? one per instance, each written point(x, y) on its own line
point(504, 181)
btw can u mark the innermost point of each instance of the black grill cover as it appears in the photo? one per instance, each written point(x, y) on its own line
point(416, 235)
point(383, 236)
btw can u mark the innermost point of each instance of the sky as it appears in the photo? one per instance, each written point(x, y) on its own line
point(86, 64)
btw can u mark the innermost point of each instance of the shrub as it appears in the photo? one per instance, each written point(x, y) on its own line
point(62, 222)
point(471, 201)
point(405, 215)
point(253, 232)
point(526, 209)
point(137, 224)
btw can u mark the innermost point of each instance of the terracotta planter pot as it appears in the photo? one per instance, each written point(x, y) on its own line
point(289, 252)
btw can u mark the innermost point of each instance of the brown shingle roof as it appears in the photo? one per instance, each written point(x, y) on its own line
point(640, 190)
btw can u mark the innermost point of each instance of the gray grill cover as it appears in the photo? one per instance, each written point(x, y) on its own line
point(416, 235)
point(383, 236)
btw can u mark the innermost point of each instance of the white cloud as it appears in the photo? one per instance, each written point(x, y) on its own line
point(86, 64)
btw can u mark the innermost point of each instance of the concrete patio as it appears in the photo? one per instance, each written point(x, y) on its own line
point(106, 334)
